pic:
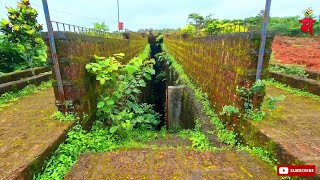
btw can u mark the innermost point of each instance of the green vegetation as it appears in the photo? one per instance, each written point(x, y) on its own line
point(100, 26)
point(198, 138)
point(121, 87)
point(122, 121)
point(292, 90)
point(247, 94)
point(271, 101)
point(229, 110)
point(263, 154)
point(78, 141)
point(8, 97)
point(224, 135)
point(22, 32)
point(64, 117)
point(289, 26)
point(11, 57)
point(289, 69)
point(199, 25)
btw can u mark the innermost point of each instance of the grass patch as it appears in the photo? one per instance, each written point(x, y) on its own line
point(65, 117)
point(289, 69)
point(292, 90)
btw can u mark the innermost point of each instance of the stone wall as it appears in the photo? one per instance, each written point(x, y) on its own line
point(74, 51)
point(218, 64)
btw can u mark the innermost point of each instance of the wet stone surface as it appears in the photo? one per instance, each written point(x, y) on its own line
point(27, 131)
point(171, 163)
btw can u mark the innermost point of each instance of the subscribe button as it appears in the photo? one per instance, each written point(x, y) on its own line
point(298, 170)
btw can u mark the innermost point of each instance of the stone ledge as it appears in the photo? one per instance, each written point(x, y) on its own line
point(20, 84)
point(306, 84)
point(313, 75)
point(15, 76)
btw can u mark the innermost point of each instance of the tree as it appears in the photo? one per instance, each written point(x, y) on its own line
point(100, 26)
point(22, 28)
point(196, 19)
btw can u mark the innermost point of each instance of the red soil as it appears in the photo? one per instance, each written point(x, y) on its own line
point(297, 50)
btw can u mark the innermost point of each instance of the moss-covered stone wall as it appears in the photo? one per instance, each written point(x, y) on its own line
point(218, 64)
point(74, 51)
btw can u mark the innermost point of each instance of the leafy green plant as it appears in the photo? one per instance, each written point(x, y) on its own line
point(64, 117)
point(23, 29)
point(175, 128)
point(163, 132)
point(121, 85)
point(198, 138)
point(8, 97)
point(199, 141)
point(247, 93)
point(229, 110)
point(289, 69)
point(271, 101)
point(11, 57)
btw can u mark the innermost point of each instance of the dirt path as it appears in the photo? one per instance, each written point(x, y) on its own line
point(170, 159)
point(175, 163)
point(295, 125)
point(27, 132)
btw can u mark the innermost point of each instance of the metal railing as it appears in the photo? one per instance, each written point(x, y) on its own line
point(60, 26)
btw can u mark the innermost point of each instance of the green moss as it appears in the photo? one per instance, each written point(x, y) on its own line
point(224, 135)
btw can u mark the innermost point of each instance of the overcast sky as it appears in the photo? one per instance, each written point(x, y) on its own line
point(137, 14)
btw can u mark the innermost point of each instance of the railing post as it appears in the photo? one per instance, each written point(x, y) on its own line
point(54, 52)
point(263, 39)
point(57, 26)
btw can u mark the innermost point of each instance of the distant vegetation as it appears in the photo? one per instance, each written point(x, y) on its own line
point(21, 46)
point(100, 26)
point(208, 25)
